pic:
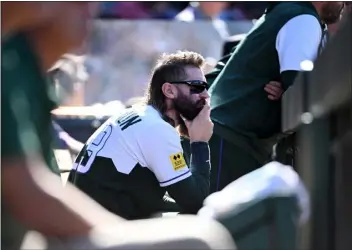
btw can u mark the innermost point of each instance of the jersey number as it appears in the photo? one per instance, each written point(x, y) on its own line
point(87, 155)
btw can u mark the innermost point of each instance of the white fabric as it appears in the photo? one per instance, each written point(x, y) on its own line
point(271, 180)
point(159, 142)
point(150, 142)
point(298, 40)
point(181, 232)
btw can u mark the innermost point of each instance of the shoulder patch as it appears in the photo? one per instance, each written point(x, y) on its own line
point(177, 161)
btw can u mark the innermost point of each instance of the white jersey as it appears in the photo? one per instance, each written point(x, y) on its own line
point(138, 137)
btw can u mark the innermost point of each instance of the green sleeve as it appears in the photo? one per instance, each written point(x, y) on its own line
point(212, 75)
point(17, 134)
point(26, 103)
point(10, 143)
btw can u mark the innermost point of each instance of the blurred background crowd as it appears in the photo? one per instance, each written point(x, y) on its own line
point(170, 10)
point(117, 65)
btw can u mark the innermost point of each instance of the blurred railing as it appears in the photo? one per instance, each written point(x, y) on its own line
point(319, 108)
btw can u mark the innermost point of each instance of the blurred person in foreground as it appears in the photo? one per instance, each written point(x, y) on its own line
point(34, 36)
point(130, 162)
point(246, 107)
point(32, 196)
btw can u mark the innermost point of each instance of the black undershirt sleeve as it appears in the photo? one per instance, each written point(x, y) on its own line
point(287, 78)
point(190, 193)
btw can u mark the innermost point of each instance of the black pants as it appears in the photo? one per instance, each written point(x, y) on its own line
point(228, 163)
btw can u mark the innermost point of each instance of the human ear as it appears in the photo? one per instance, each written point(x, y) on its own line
point(169, 90)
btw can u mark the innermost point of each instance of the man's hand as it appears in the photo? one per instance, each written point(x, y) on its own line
point(274, 89)
point(201, 128)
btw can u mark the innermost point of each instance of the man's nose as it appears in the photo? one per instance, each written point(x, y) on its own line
point(205, 94)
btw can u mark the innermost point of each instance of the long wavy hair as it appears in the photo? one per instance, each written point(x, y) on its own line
point(169, 68)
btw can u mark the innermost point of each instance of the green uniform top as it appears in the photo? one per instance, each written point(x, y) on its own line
point(238, 99)
point(27, 101)
point(211, 76)
point(25, 115)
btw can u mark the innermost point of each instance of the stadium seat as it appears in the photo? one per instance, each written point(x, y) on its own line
point(262, 209)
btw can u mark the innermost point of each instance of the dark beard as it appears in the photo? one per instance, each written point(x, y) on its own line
point(331, 14)
point(188, 110)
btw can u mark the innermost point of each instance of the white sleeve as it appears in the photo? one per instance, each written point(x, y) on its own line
point(163, 154)
point(298, 40)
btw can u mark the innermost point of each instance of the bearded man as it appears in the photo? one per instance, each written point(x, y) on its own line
point(135, 157)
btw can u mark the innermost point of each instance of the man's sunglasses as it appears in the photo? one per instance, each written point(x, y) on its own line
point(196, 86)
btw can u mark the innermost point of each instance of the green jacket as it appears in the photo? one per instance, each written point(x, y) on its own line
point(26, 126)
point(238, 99)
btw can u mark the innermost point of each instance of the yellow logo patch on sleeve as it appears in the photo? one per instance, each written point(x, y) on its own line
point(177, 161)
